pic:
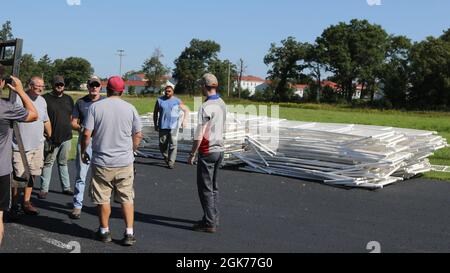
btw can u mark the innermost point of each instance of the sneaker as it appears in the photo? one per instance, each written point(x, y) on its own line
point(75, 214)
point(29, 209)
point(202, 227)
point(171, 166)
point(128, 240)
point(103, 237)
point(42, 195)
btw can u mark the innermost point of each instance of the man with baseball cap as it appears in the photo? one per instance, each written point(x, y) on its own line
point(117, 128)
point(79, 114)
point(166, 117)
point(59, 108)
point(209, 145)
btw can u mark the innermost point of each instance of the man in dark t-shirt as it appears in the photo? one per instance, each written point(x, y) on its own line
point(59, 108)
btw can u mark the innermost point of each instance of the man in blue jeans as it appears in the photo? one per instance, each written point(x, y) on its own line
point(59, 108)
point(79, 114)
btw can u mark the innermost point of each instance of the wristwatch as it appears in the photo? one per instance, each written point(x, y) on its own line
point(193, 154)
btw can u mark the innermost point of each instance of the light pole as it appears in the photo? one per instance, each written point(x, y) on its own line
point(121, 55)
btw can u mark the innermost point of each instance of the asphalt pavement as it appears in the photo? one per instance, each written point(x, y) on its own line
point(259, 214)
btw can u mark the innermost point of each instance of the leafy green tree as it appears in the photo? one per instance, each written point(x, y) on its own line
point(46, 69)
point(28, 68)
point(6, 32)
point(430, 74)
point(446, 35)
point(75, 71)
point(220, 69)
point(131, 90)
point(5, 35)
point(395, 75)
point(155, 70)
point(354, 52)
point(193, 63)
point(286, 65)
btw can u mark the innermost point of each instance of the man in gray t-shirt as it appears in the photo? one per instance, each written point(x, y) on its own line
point(33, 140)
point(209, 144)
point(10, 112)
point(117, 134)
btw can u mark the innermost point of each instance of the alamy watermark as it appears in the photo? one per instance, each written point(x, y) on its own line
point(374, 2)
point(242, 120)
point(73, 2)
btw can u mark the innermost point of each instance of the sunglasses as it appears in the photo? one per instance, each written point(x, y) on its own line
point(94, 85)
point(59, 85)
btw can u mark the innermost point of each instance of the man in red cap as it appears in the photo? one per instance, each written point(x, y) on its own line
point(117, 129)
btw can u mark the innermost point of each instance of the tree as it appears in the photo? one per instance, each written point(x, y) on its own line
point(46, 69)
point(220, 69)
point(75, 71)
point(28, 68)
point(395, 75)
point(192, 64)
point(155, 71)
point(446, 35)
point(285, 66)
point(241, 72)
point(316, 66)
point(6, 32)
point(354, 52)
point(5, 35)
point(430, 74)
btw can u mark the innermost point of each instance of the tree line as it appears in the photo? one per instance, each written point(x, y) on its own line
point(410, 75)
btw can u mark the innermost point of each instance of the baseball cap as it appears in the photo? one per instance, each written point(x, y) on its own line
point(210, 80)
point(116, 84)
point(94, 79)
point(58, 80)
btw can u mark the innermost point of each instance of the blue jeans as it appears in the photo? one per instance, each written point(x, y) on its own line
point(80, 179)
point(61, 154)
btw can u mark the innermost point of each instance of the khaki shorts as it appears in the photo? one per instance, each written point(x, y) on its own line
point(35, 161)
point(105, 181)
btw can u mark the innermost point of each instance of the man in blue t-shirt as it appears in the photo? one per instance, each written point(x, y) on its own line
point(166, 117)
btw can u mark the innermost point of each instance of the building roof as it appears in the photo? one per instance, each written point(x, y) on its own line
point(128, 83)
point(251, 78)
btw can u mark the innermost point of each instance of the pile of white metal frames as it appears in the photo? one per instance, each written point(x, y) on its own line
point(337, 154)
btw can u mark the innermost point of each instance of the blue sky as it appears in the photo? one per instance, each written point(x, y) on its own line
point(96, 29)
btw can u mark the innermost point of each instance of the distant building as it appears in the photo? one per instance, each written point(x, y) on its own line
point(140, 84)
point(252, 84)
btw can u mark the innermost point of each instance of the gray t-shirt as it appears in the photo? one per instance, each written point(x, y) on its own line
point(8, 112)
point(213, 115)
point(113, 122)
point(33, 133)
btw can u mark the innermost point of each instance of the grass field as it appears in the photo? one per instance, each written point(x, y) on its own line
point(431, 121)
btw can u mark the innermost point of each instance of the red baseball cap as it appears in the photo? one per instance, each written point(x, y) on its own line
point(116, 84)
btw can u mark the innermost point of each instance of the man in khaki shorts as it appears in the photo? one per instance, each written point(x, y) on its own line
point(117, 128)
point(33, 136)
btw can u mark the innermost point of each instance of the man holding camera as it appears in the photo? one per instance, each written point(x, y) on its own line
point(79, 115)
point(10, 112)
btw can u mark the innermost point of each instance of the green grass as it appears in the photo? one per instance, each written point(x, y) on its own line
point(431, 121)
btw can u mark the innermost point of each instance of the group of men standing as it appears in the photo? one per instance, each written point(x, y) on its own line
point(46, 123)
